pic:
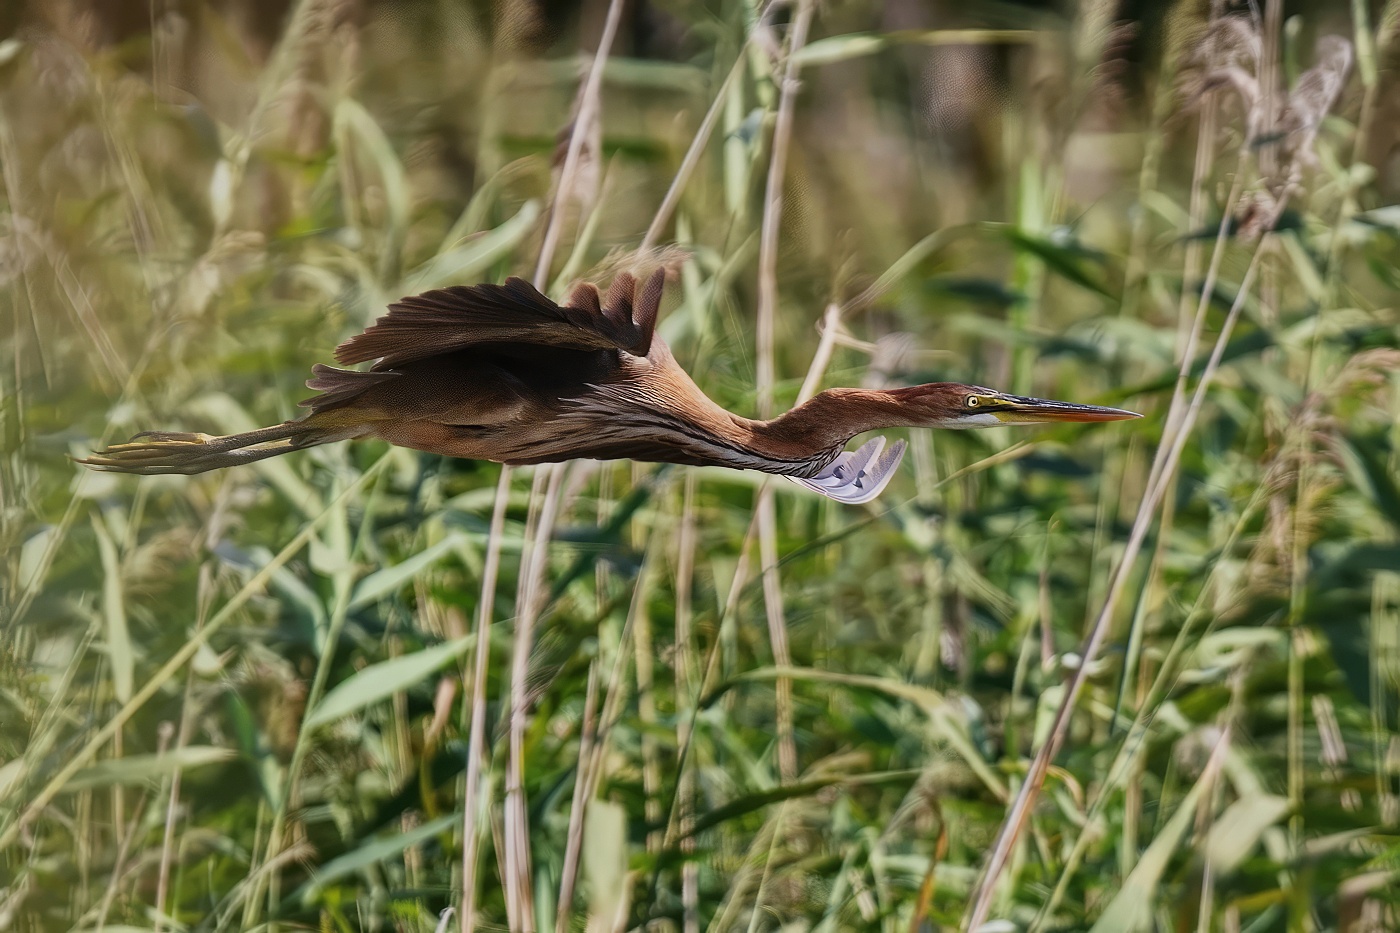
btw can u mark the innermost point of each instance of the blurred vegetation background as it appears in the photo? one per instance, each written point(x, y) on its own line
point(247, 700)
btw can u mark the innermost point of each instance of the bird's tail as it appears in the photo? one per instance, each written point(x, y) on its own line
point(152, 452)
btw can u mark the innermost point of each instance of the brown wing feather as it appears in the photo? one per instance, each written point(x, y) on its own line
point(339, 387)
point(585, 298)
point(648, 308)
point(449, 319)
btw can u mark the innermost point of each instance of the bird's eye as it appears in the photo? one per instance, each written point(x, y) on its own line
point(973, 401)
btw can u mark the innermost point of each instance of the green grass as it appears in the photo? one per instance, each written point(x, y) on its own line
point(246, 700)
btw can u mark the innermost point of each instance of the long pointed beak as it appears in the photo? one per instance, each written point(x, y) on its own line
point(1016, 409)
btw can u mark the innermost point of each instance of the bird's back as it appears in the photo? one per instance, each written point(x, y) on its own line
point(500, 372)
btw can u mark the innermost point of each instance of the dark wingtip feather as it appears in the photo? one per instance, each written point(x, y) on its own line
point(524, 291)
point(647, 309)
point(585, 298)
point(618, 304)
point(447, 319)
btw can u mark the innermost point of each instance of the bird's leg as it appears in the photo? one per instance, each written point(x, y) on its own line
point(152, 452)
point(210, 442)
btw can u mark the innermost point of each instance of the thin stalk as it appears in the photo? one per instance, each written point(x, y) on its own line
point(767, 313)
point(700, 687)
point(588, 111)
point(476, 743)
point(343, 586)
point(78, 760)
point(685, 789)
point(96, 916)
point(1164, 463)
point(616, 695)
point(777, 630)
point(643, 662)
point(1134, 740)
point(1206, 806)
point(692, 686)
point(519, 900)
point(773, 208)
point(164, 733)
point(756, 913)
point(692, 155)
point(1186, 328)
point(1159, 472)
point(573, 838)
point(172, 808)
point(765, 841)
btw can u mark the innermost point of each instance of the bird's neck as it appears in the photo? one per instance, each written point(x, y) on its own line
point(801, 442)
point(824, 424)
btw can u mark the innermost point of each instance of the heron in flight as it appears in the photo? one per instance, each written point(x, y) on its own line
point(500, 372)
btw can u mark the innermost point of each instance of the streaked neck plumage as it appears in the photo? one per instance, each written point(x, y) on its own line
point(824, 424)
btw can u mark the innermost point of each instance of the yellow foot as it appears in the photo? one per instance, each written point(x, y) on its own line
point(160, 452)
point(166, 437)
point(181, 452)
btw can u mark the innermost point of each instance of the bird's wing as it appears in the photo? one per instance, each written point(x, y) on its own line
point(856, 476)
point(449, 319)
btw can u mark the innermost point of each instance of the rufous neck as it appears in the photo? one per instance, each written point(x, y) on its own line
point(830, 419)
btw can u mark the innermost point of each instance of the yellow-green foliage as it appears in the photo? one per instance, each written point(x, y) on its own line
point(245, 698)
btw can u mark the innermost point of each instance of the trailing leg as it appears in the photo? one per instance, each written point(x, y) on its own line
point(153, 452)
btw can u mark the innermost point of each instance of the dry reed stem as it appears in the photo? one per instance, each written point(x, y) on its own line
point(612, 702)
point(826, 346)
point(777, 630)
point(250, 887)
point(585, 778)
point(681, 819)
point(767, 312)
point(118, 873)
point(1205, 810)
point(1269, 84)
point(534, 560)
point(1176, 430)
point(685, 781)
point(1188, 329)
point(1308, 94)
point(773, 208)
point(756, 913)
point(1134, 740)
point(741, 570)
point(693, 154)
point(573, 838)
point(644, 653)
point(597, 733)
point(476, 743)
point(1168, 453)
point(591, 770)
point(1158, 472)
point(764, 841)
point(587, 113)
point(513, 854)
point(163, 735)
point(1186, 326)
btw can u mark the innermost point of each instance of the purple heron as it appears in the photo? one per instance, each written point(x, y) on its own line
point(500, 372)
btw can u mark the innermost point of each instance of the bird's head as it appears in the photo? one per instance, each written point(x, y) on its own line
point(954, 405)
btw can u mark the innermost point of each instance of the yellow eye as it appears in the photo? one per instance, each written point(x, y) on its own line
point(973, 401)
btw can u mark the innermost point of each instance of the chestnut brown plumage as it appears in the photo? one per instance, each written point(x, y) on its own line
point(500, 372)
